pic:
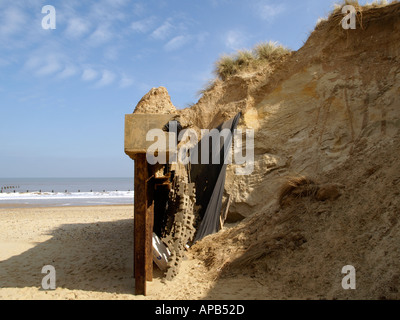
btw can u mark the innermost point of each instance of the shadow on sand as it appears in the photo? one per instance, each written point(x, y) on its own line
point(94, 257)
point(90, 257)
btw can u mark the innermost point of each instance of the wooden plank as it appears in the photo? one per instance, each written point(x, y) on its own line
point(140, 224)
point(224, 213)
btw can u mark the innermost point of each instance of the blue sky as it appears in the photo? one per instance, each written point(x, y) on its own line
point(64, 92)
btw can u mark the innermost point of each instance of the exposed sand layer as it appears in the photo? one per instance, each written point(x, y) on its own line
point(91, 249)
point(310, 110)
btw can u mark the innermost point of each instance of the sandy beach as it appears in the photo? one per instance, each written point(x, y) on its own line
point(91, 249)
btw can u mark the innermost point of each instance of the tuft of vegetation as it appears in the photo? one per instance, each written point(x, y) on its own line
point(359, 7)
point(297, 186)
point(337, 16)
point(244, 58)
point(268, 52)
point(226, 66)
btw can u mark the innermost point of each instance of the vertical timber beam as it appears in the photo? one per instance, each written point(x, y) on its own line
point(149, 227)
point(143, 225)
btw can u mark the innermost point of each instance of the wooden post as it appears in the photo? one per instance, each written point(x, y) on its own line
point(143, 225)
point(136, 146)
point(149, 228)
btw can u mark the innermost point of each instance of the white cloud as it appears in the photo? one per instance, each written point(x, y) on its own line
point(49, 67)
point(163, 31)
point(44, 65)
point(12, 20)
point(33, 62)
point(89, 74)
point(201, 39)
point(67, 72)
point(143, 26)
point(268, 11)
point(101, 35)
point(116, 3)
point(177, 43)
point(126, 82)
point(106, 11)
point(235, 39)
point(77, 28)
point(106, 79)
point(138, 8)
point(111, 53)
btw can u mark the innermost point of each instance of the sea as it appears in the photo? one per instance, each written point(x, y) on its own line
point(57, 192)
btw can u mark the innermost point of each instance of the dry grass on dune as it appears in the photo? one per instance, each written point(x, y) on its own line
point(336, 16)
point(297, 186)
point(263, 53)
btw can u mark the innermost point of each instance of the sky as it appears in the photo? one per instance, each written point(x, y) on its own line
point(64, 91)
